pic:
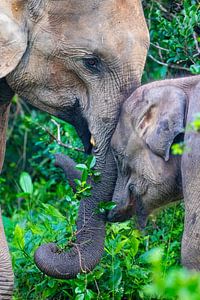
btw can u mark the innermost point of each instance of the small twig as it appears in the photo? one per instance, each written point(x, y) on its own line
point(196, 42)
point(60, 143)
point(98, 290)
point(161, 7)
point(159, 47)
point(173, 66)
point(14, 117)
point(58, 129)
point(24, 149)
point(80, 259)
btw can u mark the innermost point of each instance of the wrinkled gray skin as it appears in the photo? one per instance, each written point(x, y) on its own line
point(77, 60)
point(6, 273)
point(149, 176)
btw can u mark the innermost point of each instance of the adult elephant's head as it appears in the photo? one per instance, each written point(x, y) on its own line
point(78, 60)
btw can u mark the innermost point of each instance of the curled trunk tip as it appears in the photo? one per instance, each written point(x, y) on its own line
point(88, 248)
point(81, 258)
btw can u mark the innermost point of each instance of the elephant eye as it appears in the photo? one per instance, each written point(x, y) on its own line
point(93, 64)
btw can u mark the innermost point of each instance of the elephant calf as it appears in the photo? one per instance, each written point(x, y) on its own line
point(149, 176)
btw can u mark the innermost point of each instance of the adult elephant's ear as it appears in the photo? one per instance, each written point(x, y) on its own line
point(13, 39)
point(162, 118)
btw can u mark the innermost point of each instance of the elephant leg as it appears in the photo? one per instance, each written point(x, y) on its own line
point(4, 113)
point(191, 189)
point(6, 273)
point(6, 95)
point(190, 251)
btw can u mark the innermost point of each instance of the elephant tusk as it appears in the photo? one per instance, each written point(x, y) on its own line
point(92, 141)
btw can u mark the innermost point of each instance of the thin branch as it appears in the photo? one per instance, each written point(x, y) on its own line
point(196, 42)
point(24, 149)
point(58, 129)
point(173, 66)
point(159, 47)
point(162, 8)
point(59, 142)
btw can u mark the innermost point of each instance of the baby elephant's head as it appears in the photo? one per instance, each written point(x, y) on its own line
point(149, 176)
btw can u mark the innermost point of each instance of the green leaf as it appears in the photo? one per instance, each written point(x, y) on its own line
point(106, 206)
point(81, 167)
point(52, 211)
point(178, 149)
point(89, 295)
point(80, 297)
point(116, 278)
point(25, 182)
point(84, 176)
point(19, 236)
point(195, 69)
point(120, 245)
point(79, 289)
point(134, 243)
point(92, 162)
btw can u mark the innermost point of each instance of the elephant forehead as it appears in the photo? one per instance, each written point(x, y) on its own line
point(97, 24)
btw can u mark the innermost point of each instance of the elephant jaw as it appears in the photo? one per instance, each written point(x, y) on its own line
point(123, 211)
point(84, 133)
point(127, 209)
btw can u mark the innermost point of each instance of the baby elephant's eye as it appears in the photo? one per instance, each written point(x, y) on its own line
point(93, 64)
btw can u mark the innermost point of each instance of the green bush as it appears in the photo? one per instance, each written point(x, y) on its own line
point(174, 28)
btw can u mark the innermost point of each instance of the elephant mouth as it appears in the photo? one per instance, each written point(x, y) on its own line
point(132, 206)
point(88, 146)
point(123, 211)
point(85, 135)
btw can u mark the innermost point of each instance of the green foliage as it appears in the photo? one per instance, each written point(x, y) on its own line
point(178, 149)
point(194, 127)
point(175, 37)
point(41, 207)
point(195, 124)
point(176, 283)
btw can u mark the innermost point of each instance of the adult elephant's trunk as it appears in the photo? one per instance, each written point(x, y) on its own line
point(6, 273)
point(88, 248)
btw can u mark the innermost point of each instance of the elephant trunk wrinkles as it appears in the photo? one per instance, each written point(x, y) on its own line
point(6, 273)
point(88, 248)
point(69, 167)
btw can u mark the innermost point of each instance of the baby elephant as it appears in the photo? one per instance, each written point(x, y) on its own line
point(149, 176)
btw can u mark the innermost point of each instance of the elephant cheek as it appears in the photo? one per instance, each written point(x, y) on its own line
point(141, 213)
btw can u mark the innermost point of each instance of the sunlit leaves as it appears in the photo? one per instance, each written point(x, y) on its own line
point(178, 149)
point(26, 183)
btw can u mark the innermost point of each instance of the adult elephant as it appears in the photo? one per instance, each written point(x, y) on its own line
point(78, 61)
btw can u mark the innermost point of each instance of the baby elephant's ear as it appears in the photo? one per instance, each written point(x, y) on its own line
point(13, 43)
point(162, 118)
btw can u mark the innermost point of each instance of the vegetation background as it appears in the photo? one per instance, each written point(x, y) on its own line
point(38, 204)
